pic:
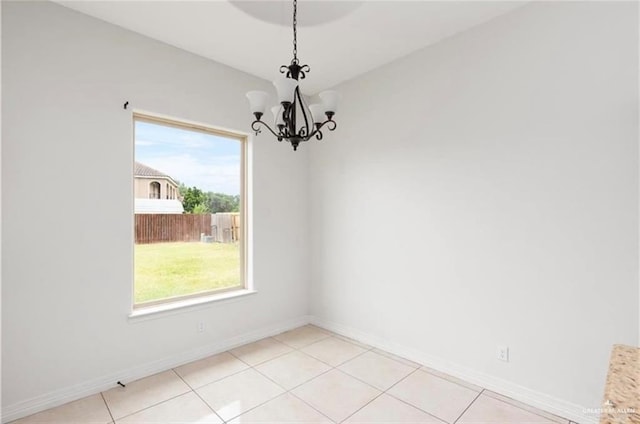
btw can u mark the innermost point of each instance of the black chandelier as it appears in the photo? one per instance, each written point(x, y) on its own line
point(292, 104)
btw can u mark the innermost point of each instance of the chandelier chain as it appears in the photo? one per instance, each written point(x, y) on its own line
point(295, 31)
point(295, 121)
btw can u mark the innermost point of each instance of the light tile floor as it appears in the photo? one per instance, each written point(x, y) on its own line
point(307, 375)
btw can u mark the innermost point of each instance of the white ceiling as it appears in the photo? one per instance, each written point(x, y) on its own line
point(358, 37)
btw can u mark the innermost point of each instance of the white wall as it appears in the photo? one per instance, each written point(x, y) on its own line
point(484, 191)
point(498, 205)
point(67, 274)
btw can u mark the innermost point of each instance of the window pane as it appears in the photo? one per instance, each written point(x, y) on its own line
point(187, 188)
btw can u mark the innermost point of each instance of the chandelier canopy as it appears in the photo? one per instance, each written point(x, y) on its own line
point(294, 121)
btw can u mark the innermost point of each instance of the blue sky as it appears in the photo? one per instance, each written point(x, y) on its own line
point(209, 162)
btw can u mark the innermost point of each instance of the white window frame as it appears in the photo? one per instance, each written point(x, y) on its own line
point(195, 299)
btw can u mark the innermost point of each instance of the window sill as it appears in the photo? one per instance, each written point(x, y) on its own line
point(186, 305)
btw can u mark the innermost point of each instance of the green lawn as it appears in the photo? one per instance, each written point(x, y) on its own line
point(165, 270)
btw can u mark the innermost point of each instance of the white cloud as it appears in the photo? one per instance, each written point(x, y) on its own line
point(220, 174)
point(144, 143)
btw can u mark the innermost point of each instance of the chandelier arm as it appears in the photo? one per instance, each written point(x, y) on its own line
point(284, 69)
point(303, 71)
point(290, 119)
point(303, 104)
point(256, 128)
point(329, 123)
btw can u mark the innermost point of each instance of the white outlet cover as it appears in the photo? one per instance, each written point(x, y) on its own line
point(503, 353)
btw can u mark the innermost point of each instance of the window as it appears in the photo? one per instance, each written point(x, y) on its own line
point(154, 190)
point(190, 240)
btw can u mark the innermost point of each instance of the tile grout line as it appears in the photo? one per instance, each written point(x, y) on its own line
point(221, 378)
point(290, 391)
point(311, 406)
point(238, 358)
point(368, 348)
point(361, 408)
point(297, 385)
point(113, 420)
point(401, 380)
point(526, 410)
point(249, 367)
point(326, 335)
point(468, 406)
point(209, 406)
point(407, 403)
point(415, 407)
point(303, 346)
point(218, 379)
point(250, 409)
point(198, 395)
point(380, 394)
point(254, 368)
point(331, 368)
point(452, 380)
point(318, 359)
point(344, 362)
point(260, 363)
point(155, 404)
point(285, 391)
point(354, 342)
point(364, 382)
point(336, 367)
point(404, 361)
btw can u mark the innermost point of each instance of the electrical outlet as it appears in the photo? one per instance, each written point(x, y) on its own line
point(503, 353)
point(200, 327)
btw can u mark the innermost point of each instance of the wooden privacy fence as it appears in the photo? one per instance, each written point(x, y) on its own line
point(225, 227)
point(157, 228)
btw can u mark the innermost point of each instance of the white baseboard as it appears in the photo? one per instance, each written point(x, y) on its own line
point(97, 385)
point(533, 398)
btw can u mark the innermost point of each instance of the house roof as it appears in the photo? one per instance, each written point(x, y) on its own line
point(142, 170)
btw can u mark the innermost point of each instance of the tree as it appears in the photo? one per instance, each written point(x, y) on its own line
point(201, 208)
point(195, 200)
point(192, 197)
point(220, 202)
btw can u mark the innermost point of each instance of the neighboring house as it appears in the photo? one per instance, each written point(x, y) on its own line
point(155, 191)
